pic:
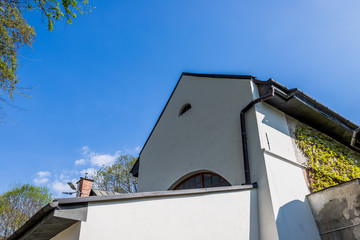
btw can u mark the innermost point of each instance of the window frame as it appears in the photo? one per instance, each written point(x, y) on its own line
point(201, 174)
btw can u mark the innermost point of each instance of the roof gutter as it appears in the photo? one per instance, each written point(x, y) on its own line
point(270, 94)
point(305, 109)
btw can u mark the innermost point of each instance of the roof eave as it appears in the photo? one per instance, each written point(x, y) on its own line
point(304, 108)
point(58, 216)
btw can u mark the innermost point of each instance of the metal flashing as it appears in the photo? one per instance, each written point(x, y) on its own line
point(143, 195)
point(209, 75)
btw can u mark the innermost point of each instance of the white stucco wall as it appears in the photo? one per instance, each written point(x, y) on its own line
point(207, 137)
point(71, 233)
point(267, 222)
point(225, 215)
point(284, 175)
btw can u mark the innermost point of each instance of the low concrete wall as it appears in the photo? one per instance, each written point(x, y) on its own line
point(218, 215)
point(337, 211)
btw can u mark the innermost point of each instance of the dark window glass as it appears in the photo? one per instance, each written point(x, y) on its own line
point(215, 180)
point(207, 181)
point(192, 182)
point(202, 180)
point(198, 179)
point(223, 183)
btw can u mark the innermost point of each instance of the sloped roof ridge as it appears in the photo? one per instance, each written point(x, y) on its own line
point(217, 75)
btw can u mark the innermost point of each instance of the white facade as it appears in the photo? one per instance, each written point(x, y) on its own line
point(204, 138)
point(281, 180)
point(208, 138)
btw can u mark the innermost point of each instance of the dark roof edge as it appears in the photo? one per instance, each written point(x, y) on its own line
point(331, 113)
point(135, 169)
point(304, 96)
point(287, 94)
point(209, 75)
point(141, 195)
point(34, 219)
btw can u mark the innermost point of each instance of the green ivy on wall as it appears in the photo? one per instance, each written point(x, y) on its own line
point(328, 162)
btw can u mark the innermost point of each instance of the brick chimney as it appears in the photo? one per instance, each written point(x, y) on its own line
point(84, 185)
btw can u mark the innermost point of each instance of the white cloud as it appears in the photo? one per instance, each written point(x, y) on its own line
point(80, 162)
point(89, 171)
point(60, 187)
point(89, 162)
point(39, 181)
point(96, 159)
point(132, 151)
point(103, 159)
point(43, 174)
point(85, 150)
point(42, 177)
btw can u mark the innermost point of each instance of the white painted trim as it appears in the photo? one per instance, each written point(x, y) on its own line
point(267, 152)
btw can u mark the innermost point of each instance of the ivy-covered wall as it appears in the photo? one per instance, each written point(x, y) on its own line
point(328, 162)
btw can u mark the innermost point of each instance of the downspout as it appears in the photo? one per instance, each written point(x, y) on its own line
point(353, 139)
point(244, 136)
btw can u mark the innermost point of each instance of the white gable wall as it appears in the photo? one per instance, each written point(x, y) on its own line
point(207, 137)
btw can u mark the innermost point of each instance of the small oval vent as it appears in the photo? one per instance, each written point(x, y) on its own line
point(184, 109)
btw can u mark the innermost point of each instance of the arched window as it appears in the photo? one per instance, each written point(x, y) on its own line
point(184, 109)
point(202, 180)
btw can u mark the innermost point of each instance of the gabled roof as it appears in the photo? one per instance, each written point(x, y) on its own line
point(292, 102)
point(135, 169)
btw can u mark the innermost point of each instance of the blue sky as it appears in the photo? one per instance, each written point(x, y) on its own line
point(100, 84)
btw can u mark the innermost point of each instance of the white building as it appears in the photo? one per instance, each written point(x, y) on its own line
point(231, 139)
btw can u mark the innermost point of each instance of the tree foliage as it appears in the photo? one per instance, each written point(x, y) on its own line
point(116, 177)
point(15, 32)
point(19, 204)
